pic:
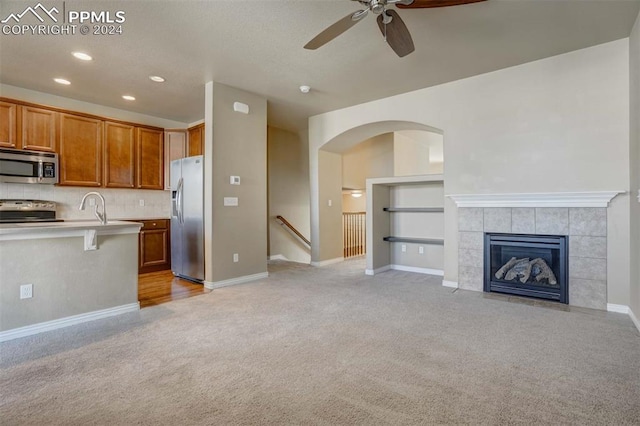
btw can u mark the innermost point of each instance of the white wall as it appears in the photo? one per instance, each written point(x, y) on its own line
point(288, 176)
point(553, 125)
point(634, 159)
point(371, 158)
point(32, 96)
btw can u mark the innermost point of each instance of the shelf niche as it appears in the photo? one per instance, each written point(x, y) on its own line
point(405, 212)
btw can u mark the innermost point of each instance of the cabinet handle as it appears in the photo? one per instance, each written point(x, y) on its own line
point(154, 224)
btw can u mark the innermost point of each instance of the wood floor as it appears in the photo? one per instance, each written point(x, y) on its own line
point(155, 288)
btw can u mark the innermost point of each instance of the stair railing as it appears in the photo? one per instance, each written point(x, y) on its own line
point(286, 223)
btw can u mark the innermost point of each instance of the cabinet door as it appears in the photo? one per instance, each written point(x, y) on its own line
point(80, 150)
point(119, 155)
point(150, 158)
point(175, 142)
point(38, 129)
point(8, 117)
point(155, 254)
point(196, 140)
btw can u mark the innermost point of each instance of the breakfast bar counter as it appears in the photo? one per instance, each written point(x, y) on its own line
point(74, 271)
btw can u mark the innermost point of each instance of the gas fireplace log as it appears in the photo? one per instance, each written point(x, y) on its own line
point(505, 268)
point(546, 272)
point(517, 269)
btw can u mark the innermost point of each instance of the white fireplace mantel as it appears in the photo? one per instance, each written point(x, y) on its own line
point(543, 199)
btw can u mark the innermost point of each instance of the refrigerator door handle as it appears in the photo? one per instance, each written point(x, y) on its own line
point(179, 200)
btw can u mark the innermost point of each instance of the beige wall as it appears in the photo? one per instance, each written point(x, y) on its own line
point(235, 145)
point(352, 204)
point(288, 171)
point(371, 158)
point(634, 160)
point(545, 126)
point(417, 153)
point(66, 279)
point(328, 246)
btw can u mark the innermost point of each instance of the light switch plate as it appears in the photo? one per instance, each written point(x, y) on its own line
point(231, 201)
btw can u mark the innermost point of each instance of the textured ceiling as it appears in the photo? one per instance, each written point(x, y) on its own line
point(257, 46)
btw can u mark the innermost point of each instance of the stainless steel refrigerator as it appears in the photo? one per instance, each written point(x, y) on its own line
point(187, 218)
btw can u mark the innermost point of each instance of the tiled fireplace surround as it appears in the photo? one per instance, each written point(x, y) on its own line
point(585, 226)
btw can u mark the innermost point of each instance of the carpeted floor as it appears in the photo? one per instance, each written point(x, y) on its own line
point(329, 346)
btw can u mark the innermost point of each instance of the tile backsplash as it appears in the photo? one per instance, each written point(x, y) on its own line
point(121, 203)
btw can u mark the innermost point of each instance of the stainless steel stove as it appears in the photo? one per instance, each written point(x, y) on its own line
point(19, 211)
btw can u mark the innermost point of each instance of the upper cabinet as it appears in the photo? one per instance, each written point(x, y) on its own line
point(93, 151)
point(8, 126)
point(196, 140)
point(150, 158)
point(175, 142)
point(119, 155)
point(37, 128)
point(80, 150)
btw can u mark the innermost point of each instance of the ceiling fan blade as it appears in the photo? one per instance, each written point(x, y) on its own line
point(397, 33)
point(421, 4)
point(332, 32)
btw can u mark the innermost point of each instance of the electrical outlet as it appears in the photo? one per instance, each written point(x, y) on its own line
point(141, 203)
point(26, 291)
point(404, 248)
point(420, 250)
point(236, 258)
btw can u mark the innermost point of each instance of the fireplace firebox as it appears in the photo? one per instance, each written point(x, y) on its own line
point(527, 265)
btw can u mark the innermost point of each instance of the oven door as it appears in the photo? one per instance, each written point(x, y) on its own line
point(19, 166)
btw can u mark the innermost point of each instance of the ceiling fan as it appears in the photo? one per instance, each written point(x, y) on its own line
point(392, 27)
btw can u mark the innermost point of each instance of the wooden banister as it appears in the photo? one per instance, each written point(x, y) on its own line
point(286, 223)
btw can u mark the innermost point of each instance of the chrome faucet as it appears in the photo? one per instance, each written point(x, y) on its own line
point(102, 216)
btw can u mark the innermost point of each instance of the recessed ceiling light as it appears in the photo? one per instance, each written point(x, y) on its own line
point(81, 55)
point(128, 98)
point(156, 78)
point(305, 89)
point(62, 81)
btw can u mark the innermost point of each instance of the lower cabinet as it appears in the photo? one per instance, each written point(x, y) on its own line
point(155, 246)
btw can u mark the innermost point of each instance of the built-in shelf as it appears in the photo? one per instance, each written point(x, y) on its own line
point(414, 209)
point(437, 241)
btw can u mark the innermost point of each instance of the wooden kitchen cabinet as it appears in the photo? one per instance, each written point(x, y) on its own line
point(154, 247)
point(175, 143)
point(8, 125)
point(37, 128)
point(80, 150)
point(196, 140)
point(119, 155)
point(150, 158)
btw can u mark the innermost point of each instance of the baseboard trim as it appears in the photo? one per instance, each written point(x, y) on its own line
point(450, 284)
point(277, 257)
point(427, 271)
point(622, 309)
point(328, 262)
point(377, 270)
point(212, 285)
point(634, 319)
point(67, 321)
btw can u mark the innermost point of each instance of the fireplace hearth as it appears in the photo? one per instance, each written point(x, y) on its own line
point(527, 265)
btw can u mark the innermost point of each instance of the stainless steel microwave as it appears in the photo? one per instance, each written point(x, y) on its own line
point(21, 166)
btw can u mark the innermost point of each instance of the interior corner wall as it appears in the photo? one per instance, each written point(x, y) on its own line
point(370, 158)
point(634, 160)
point(238, 145)
point(559, 124)
point(288, 180)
